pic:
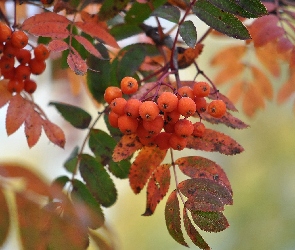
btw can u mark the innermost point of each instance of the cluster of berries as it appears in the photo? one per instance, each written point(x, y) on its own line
point(164, 122)
point(17, 63)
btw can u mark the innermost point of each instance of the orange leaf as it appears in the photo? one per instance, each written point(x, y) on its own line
point(5, 95)
point(127, 145)
point(88, 46)
point(229, 72)
point(96, 31)
point(33, 127)
point(200, 167)
point(157, 188)
point(215, 141)
point(58, 45)
point(76, 62)
point(263, 83)
point(286, 90)
point(141, 169)
point(253, 100)
point(236, 91)
point(17, 112)
point(54, 133)
point(228, 55)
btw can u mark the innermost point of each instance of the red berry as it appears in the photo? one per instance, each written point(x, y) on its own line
point(19, 39)
point(148, 110)
point(162, 140)
point(127, 125)
point(201, 104)
point(183, 128)
point(37, 67)
point(30, 86)
point(132, 107)
point(5, 32)
point(199, 129)
point(167, 102)
point(216, 108)
point(154, 127)
point(201, 89)
point(15, 85)
point(129, 85)
point(118, 105)
point(41, 52)
point(186, 91)
point(23, 56)
point(22, 72)
point(111, 93)
point(186, 106)
point(177, 143)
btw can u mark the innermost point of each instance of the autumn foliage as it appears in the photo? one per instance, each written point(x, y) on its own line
point(149, 110)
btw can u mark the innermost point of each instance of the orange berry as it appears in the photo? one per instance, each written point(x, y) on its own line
point(169, 127)
point(183, 128)
point(149, 142)
point(186, 106)
point(5, 32)
point(199, 129)
point(129, 85)
point(9, 50)
point(167, 102)
point(30, 86)
point(111, 93)
point(113, 119)
point(8, 74)
point(177, 143)
point(171, 117)
point(117, 105)
point(216, 108)
point(15, 85)
point(201, 104)
point(148, 110)
point(37, 67)
point(41, 52)
point(162, 140)
point(127, 125)
point(154, 127)
point(1, 47)
point(23, 56)
point(22, 72)
point(6, 63)
point(132, 107)
point(201, 89)
point(186, 91)
point(142, 132)
point(19, 39)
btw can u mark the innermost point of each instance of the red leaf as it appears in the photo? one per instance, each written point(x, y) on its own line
point(76, 62)
point(127, 145)
point(33, 127)
point(141, 169)
point(58, 45)
point(173, 220)
point(200, 167)
point(88, 46)
point(5, 95)
point(215, 141)
point(284, 45)
point(192, 232)
point(17, 112)
point(157, 188)
point(96, 31)
point(210, 221)
point(54, 133)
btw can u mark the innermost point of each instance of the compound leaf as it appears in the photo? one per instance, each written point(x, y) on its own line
point(54, 133)
point(57, 45)
point(33, 127)
point(72, 161)
point(76, 62)
point(253, 6)
point(168, 12)
point(187, 31)
point(88, 45)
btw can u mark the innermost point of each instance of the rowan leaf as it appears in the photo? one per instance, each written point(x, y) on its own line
point(144, 164)
point(111, 8)
point(210, 221)
point(54, 133)
point(5, 218)
point(188, 33)
point(157, 187)
point(127, 145)
point(71, 163)
point(200, 167)
point(97, 31)
point(88, 45)
point(253, 6)
point(168, 12)
point(17, 111)
point(253, 100)
point(78, 117)
point(5, 95)
point(120, 169)
point(60, 181)
point(81, 193)
point(98, 180)
point(192, 232)
point(172, 218)
point(215, 141)
point(76, 62)
point(33, 127)
point(229, 72)
point(262, 82)
point(228, 55)
point(286, 90)
point(57, 45)
point(221, 21)
point(123, 30)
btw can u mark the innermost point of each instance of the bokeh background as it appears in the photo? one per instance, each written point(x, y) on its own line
point(262, 177)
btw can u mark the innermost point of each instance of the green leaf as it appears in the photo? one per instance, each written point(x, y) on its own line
point(253, 6)
point(78, 117)
point(122, 31)
point(221, 21)
point(5, 218)
point(120, 169)
point(102, 145)
point(98, 180)
point(168, 12)
point(140, 12)
point(60, 181)
point(81, 192)
point(210, 221)
point(232, 7)
point(172, 218)
point(111, 8)
point(187, 31)
point(72, 161)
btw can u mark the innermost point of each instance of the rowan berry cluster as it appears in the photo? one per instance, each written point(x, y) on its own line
point(164, 122)
point(17, 63)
